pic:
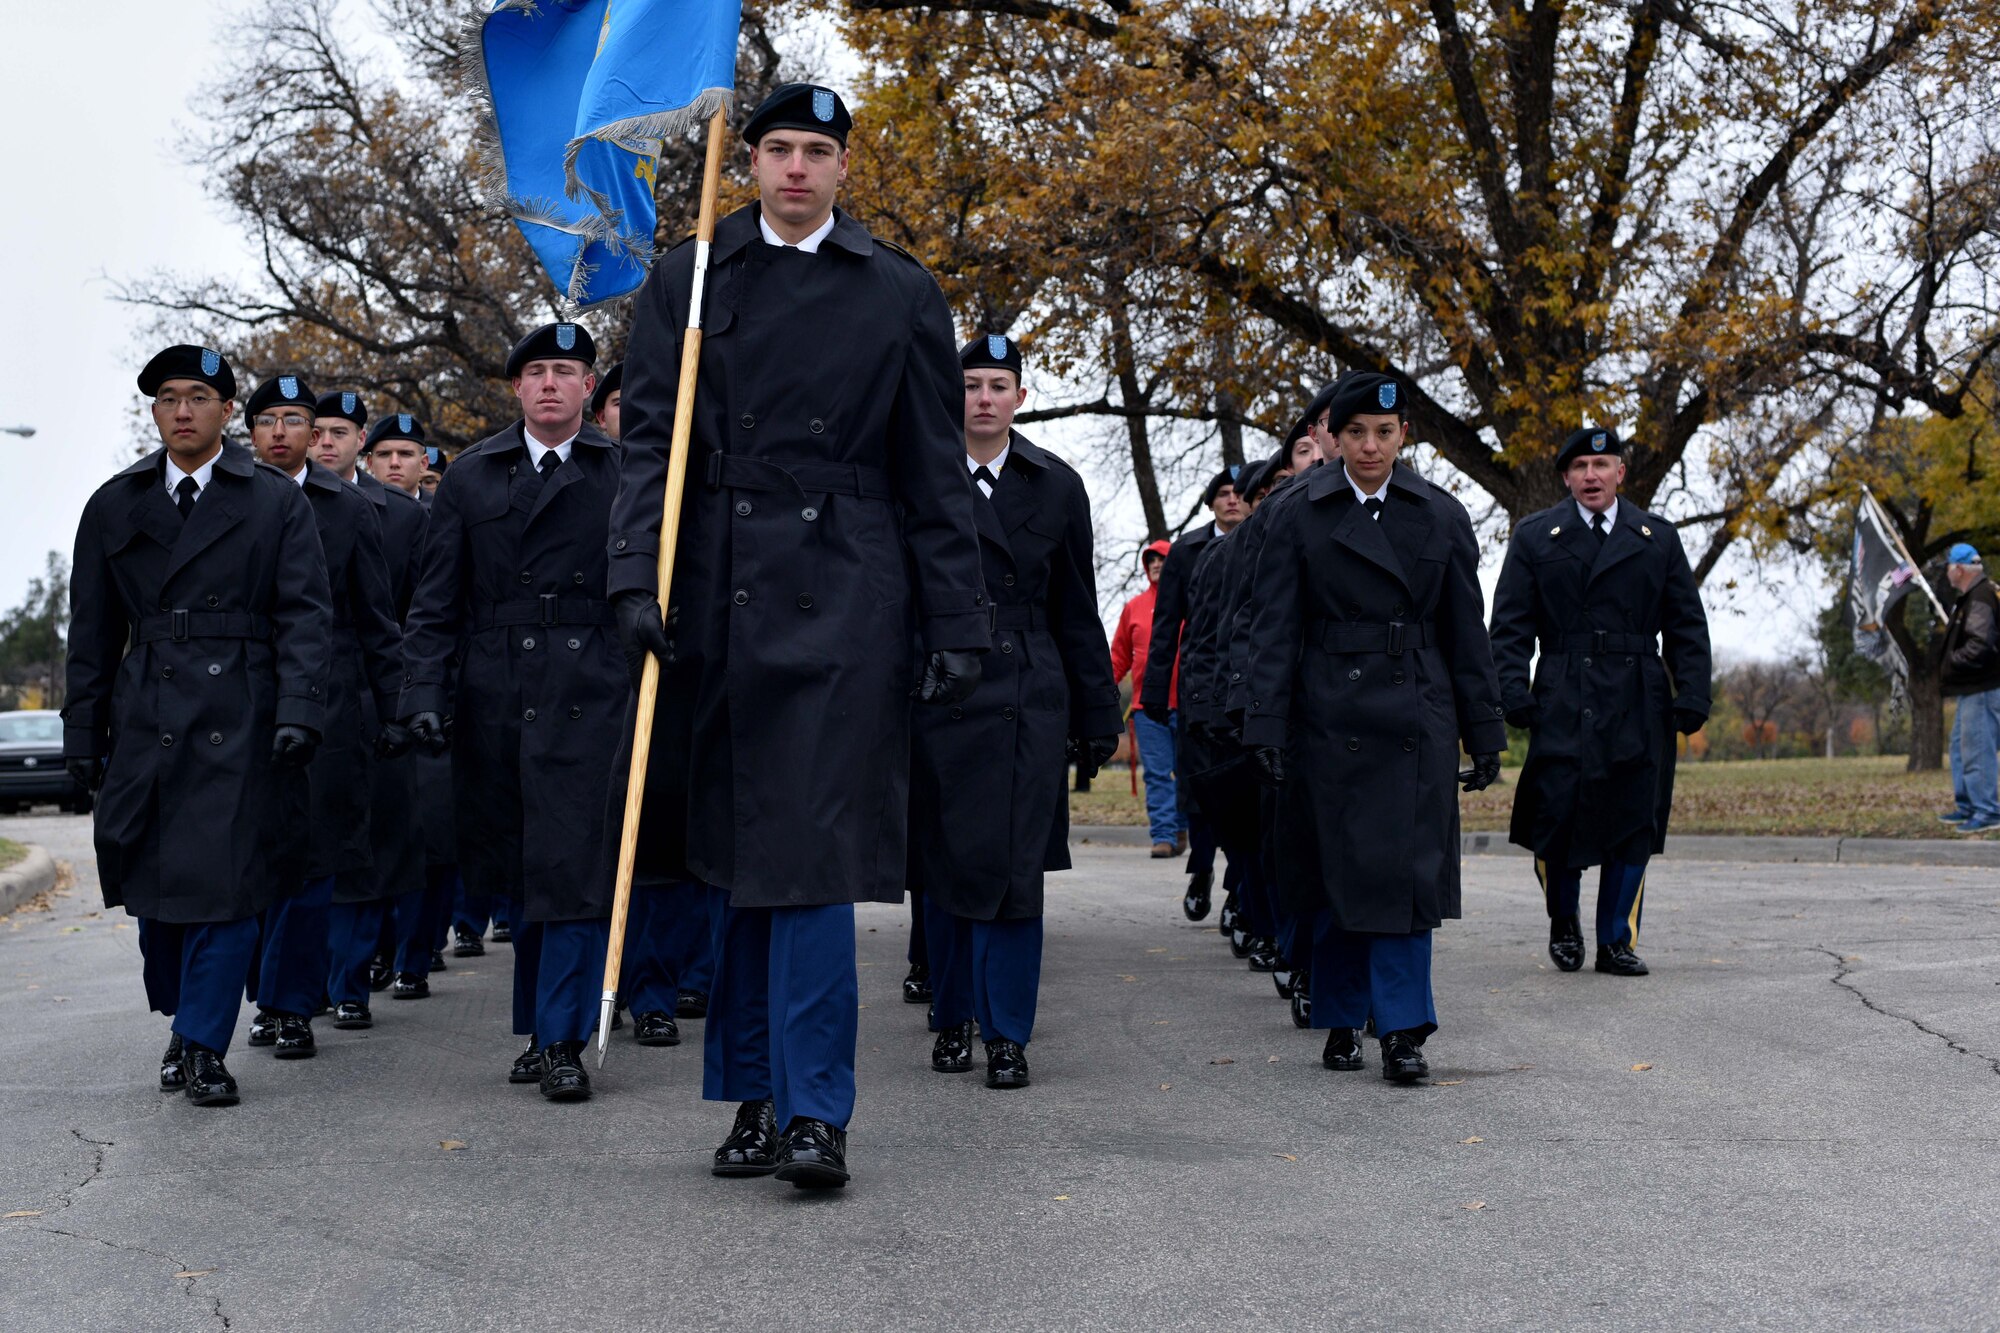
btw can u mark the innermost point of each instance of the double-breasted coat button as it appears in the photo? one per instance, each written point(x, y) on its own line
point(1398, 611)
point(1396, 678)
point(578, 576)
point(574, 711)
point(743, 509)
point(1007, 714)
point(313, 690)
point(215, 668)
point(526, 577)
point(527, 715)
point(1236, 675)
point(213, 600)
point(1586, 661)
point(742, 597)
point(957, 713)
point(816, 426)
point(166, 740)
point(528, 644)
point(215, 738)
point(748, 421)
point(979, 599)
point(1408, 744)
point(619, 544)
point(166, 673)
point(1353, 742)
point(1587, 715)
point(805, 601)
point(576, 643)
point(1006, 647)
point(1354, 673)
point(1628, 661)
point(809, 513)
point(1007, 580)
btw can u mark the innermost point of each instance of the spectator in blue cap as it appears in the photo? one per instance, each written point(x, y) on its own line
point(1970, 672)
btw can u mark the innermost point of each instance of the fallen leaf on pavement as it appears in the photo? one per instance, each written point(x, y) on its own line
point(1161, 950)
point(194, 1272)
point(1449, 1082)
point(1223, 1060)
point(1474, 1206)
point(450, 1145)
point(1126, 976)
point(1474, 1139)
point(1270, 1059)
point(27, 1212)
point(1165, 1086)
point(1287, 1156)
point(1640, 1068)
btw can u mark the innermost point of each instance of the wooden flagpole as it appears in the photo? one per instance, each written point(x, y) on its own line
point(670, 522)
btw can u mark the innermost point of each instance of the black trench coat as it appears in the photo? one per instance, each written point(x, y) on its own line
point(989, 796)
point(1170, 608)
point(513, 571)
point(193, 823)
point(1371, 668)
point(1599, 780)
point(827, 525)
point(361, 686)
point(398, 839)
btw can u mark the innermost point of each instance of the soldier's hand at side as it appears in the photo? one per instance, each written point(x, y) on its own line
point(1524, 717)
point(293, 747)
point(393, 741)
point(1270, 762)
point(949, 677)
point(640, 627)
point(1485, 772)
point(89, 773)
point(1093, 754)
point(1687, 722)
point(427, 730)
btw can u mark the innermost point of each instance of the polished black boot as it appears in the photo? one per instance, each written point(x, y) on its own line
point(410, 986)
point(1264, 956)
point(951, 1053)
point(1006, 1064)
point(295, 1038)
point(917, 985)
point(752, 1146)
point(656, 1028)
point(379, 973)
point(465, 944)
point(527, 1066)
point(173, 1066)
point(1566, 942)
point(691, 1004)
point(502, 933)
point(1403, 1058)
point(813, 1155)
point(563, 1079)
point(264, 1028)
point(208, 1080)
point(1195, 902)
point(1302, 1005)
point(1343, 1050)
point(351, 1015)
point(1620, 961)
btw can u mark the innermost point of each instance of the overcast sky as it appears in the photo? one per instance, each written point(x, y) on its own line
point(94, 194)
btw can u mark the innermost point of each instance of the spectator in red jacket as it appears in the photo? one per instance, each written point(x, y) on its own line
point(1153, 728)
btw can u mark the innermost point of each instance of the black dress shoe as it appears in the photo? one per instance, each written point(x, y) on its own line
point(1232, 914)
point(465, 944)
point(917, 985)
point(951, 1053)
point(173, 1066)
point(1620, 961)
point(528, 1064)
point(656, 1028)
point(352, 1015)
point(1282, 978)
point(563, 1079)
point(208, 1080)
point(1343, 1050)
point(1403, 1058)
point(295, 1038)
point(437, 960)
point(1240, 940)
point(1302, 1005)
point(752, 1146)
point(1566, 942)
point(813, 1155)
point(502, 934)
point(379, 973)
point(1006, 1065)
point(410, 986)
point(1264, 956)
point(1194, 903)
point(691, 1004)
point(264, 1028)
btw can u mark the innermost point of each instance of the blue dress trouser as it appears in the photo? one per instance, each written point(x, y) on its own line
point(559, 977)
point(354, 932)
point(417, 919)
point(1356, 975)
point(292, 965)
point(471, 911)
point(1621, 893)
point(668, 944)
point(987, 971)
point(783, 1016)
point(195, 975)
point(1156, 756)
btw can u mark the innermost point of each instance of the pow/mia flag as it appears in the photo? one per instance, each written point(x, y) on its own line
point(1878, 579)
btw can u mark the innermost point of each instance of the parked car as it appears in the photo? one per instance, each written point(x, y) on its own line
point(31, 763)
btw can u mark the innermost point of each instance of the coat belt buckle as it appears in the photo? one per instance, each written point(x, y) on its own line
point(1395, 648)
point(180, 632)
point(1597, 638)
point(549, 610)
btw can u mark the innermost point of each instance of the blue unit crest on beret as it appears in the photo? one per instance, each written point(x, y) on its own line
point(347, 402)
point(288, 385)
point(823, 106)
point(566, 337)
point(1385, 394)
point(403, 421)
point(210, 361)
point(1597, 443)
point(996, 346)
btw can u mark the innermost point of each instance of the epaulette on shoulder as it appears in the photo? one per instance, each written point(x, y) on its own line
point(892, 246)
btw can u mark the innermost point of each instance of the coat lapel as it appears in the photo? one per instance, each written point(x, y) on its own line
point(218, 510)
point(1621, 543)
point(1353, 528)
point(589, 446)
point(154, 513)
point(1407, 518)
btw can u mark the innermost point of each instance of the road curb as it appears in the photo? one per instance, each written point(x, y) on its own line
point(1697, 847)
point(32, 874)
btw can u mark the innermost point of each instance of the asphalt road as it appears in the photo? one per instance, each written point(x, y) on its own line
point(1794, 1122)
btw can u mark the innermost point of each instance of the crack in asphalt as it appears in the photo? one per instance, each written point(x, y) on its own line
point(1843, 977)
point(66, 1197)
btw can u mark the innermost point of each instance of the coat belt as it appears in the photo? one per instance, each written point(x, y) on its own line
point(1393, 638)
point(736, 473)
point(547, 609)
point(179, 626)
point(1600, 641)
point(1019, 616)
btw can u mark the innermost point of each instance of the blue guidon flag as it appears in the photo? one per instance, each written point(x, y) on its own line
point(575, 97)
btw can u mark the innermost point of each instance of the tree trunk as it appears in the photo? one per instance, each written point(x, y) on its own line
point(1132, 396)
point(1227, 409)
point(1926, 687)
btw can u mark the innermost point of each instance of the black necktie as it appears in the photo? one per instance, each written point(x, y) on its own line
point(986, 479)
point(1597, 528)
point(1374, 508)
point(551, 460)
point(184, 495)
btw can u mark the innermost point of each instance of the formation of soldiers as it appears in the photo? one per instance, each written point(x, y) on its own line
point(333, 718)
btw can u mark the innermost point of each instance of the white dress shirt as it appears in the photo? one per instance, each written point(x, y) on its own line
point(1610, 515)
point(536, 449)
point(172, 475)
point(810, 244)
point(1363, 497)
point(973, 465)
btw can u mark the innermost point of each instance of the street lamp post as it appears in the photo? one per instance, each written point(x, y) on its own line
point(23, 431)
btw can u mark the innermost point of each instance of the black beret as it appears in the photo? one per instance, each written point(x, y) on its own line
point(395, 426)
point(800, 106)
point(607, 385)
point(185, 361)
point(553, 342)
point(279, 389)
point(1321, 401)
point(1226, 477)
point(1589, 440)
point(994, 351)
point(346, 403)
point(439, 459)
point(1365, 393)
point(1260, 476)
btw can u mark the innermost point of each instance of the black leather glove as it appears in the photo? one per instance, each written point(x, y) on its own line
point(428, 732)
point(393, 741)
point(1091, 755)
point(949, 678)
point(292, 747)
point(641, 628)
point(89, 773)
point(1270, 762)
point(1687, 722)
point(1525, 716)
point(1485, 772)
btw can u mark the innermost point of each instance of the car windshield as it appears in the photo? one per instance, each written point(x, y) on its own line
point(31, 727)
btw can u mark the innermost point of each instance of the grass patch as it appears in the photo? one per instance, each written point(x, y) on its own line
point(1860, 797)
point(10, 852)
